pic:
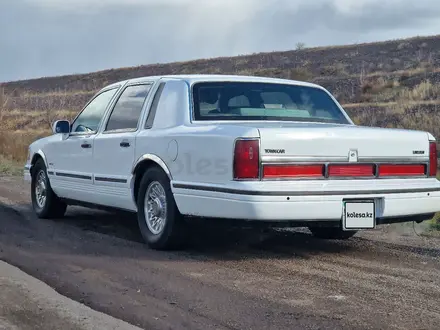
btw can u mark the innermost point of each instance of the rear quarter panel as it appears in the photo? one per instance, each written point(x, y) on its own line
point(193, 153)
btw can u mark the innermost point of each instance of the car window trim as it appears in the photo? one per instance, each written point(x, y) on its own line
point(127, 130)
point(193, 114)
point(154, 104)
point(117, 87)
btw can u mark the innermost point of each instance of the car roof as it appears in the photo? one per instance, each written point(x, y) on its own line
point(193, 78)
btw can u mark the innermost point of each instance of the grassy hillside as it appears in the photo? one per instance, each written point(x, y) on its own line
point(387, 84)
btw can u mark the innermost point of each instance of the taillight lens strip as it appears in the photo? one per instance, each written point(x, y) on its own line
point(340, 171)
point(351, 170)
point(293, 171)
point(402, 170)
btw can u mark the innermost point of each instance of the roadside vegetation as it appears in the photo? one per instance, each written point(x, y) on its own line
point(435, 223)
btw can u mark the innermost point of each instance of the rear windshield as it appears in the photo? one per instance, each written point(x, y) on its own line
point(264, 101)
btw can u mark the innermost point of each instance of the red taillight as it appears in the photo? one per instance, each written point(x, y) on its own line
point(351, 170)
point(247, 159)
point(293, 171)
point(432, 158)
point(401, 170)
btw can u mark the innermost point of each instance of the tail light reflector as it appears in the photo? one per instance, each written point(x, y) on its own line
point(432, 158)
point(247, 159)
point(293, 171)
point(351, 170)
point(402, 170)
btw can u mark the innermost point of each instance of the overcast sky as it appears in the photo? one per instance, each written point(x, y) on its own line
point(54, 37)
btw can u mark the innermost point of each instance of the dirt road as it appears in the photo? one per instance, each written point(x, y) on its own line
point(29, 304)
point(227, 279)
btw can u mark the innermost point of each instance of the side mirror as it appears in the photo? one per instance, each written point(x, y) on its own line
point(61, 127)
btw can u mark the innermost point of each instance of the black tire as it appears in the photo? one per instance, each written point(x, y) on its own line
point(173, 232)
point(53, 207)
point(331, 233)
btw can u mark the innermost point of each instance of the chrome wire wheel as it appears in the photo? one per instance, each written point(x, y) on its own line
point(41, 189)
point(155, 207)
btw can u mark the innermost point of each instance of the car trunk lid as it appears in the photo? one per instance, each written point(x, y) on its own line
point(308, 142)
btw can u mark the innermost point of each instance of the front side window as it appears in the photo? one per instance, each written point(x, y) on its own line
point(264, 101)
point(128, 108)
point(89, 119)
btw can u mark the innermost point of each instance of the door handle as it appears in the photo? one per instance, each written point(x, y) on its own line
point(124, 144)
point(86, 145)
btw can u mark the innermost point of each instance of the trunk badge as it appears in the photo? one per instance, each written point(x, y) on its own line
point(353, 155)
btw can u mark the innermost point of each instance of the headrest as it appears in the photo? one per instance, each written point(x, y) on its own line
point(208, 95)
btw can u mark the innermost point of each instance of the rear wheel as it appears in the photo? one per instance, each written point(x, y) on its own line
point(160, 222)
point(331, 233)
point(44, 201)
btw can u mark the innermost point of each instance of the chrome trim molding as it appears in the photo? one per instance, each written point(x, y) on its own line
point(302, 193)
point(399, 160)
point(143, 158)
point(302, 159)
point(155, 159)
point(118, 131)
point(343, 159)
point(40, 153)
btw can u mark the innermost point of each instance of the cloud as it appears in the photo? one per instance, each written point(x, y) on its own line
point(52, 37)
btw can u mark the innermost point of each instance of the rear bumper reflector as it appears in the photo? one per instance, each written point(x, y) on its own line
point(351, 170)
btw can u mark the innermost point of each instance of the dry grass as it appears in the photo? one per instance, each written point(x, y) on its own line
point(382, 90)
point(422, 92)
point(14, 149)
point(395, 106)
point(8, 167)
point(14, 144)
point(18, 129)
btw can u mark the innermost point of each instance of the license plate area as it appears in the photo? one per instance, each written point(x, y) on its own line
point(358, 214)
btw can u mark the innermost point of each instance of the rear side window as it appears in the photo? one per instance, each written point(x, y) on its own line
point(128, 108)
point(154, 105)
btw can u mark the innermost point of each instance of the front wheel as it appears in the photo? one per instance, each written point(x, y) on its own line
point(331, 233)
point(44, 201)
point(160, 222)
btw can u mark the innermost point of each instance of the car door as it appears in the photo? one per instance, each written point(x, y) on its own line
point(114, 147)
point(70, 160)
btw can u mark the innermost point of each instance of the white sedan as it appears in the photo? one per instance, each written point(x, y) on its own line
point(232, 147)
